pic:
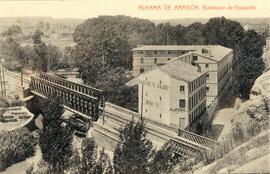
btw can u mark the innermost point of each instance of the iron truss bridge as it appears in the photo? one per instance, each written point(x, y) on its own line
point(78, 98)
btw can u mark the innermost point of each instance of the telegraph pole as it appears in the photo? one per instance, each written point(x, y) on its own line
point(4, 81)
point(2, 94)
point(142, 105)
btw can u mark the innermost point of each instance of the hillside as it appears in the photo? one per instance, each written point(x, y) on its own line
point(252, 154)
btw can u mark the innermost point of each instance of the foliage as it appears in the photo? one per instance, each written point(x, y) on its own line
point(222, 31)
point(134, 150)
point(37, 37)
point(75, 163)
point(13, 30)
point(55, 139)
point(163, 160)
point(53, 57)
point(89, 155)
point(249, 64)
point(164, 34)
point(103, 164)
point(239, 134)
point(16, 146)
point(10, 51)
point(107, 40)
point(93, 161)
point(193, 34)
point(40, 50)
point(112, 82)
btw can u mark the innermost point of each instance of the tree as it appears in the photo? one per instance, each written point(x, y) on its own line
point(28, 57)
point(13, 30)
point(193, 34)
point(55, 139)
point(53, 57)
point(134, 150)
point(41, 50)
point(93, 162)
point(10, 50)
point(103, 164)
point(249, 64)
point(47, 26)
point(89, 155)
point(112, 82)
point(222, 31)
point(37, 37)
point(164, 34)
point(163, 160)
point(108, 40)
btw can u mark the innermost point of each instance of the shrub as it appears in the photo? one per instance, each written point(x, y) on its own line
point(238, 133)
point(15, 146)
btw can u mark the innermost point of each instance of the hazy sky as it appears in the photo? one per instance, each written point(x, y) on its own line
point(93, 8)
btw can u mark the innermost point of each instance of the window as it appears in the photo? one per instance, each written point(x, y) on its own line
point(142, 60)
point(169, 52)
point(182, 88)
point(160, 115)
point(160, 82)
point(182, 103)
point(155, 60)
point(141, 70)
point(146, 94)
point(194, 58)
point(145, 110)
point(169, 59)
point(207, 89)
point(141, 52)
point(206, 65)
point(207, 76)
point(160, 98)
point(155, 52)
point(204, 51)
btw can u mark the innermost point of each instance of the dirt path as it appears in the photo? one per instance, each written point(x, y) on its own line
point(226, 117)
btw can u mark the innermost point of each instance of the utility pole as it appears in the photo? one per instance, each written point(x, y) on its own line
point(142, 105)
point(4, 81)
point(2, 94)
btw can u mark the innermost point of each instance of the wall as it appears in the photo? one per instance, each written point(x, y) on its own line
point(175, 112)
point(155, 96)
point(149, 57)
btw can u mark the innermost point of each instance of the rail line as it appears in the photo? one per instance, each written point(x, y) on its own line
point(16, 76)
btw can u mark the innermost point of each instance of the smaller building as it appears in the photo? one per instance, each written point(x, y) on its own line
point(173, 94)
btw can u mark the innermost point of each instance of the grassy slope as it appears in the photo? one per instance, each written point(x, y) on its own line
point(244, 158)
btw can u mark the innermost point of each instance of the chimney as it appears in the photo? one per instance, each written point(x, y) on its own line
point(199, 68)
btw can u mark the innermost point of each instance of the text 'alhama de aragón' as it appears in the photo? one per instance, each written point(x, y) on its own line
point(167, 7)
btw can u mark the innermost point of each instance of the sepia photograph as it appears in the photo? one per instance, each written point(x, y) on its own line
point(134, 86)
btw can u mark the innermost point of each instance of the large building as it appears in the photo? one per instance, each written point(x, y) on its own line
point(173, 94)
point(214, 59)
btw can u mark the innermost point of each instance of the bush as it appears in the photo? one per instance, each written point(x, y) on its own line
point(15, 146)
point(238, 133)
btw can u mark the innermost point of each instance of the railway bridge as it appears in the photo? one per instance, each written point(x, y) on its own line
point(84, 100)
point(89, 103)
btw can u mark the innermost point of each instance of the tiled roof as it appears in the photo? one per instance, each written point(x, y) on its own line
point(216, 52)
point(166, 47)
point(180, 70)
point(176, 69)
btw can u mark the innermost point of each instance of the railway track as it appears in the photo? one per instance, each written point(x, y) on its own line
point(17, 76)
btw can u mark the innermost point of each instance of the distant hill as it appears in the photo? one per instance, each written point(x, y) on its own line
point(258, 24)
point(188, 21)
point(28, 24)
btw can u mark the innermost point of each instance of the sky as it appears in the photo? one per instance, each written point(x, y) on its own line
point(93, 8)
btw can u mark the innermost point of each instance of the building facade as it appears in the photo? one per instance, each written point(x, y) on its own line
point(214, 59)
point(173, 94)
